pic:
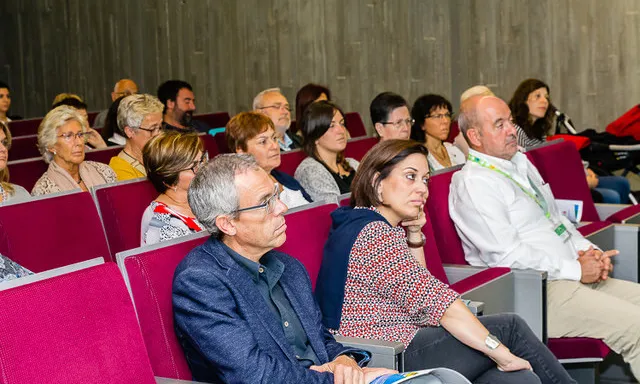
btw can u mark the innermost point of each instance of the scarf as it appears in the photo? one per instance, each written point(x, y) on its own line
point(88, 173)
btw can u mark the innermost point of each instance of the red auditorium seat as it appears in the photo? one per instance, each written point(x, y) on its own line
point(121, 206)
point(102, 155)
point(221, 141)
point(290, 160)
point(91, 117)
point(24, 147)
point(560, 165)
point(354, 124)
point(358, 147)
point(149, 272)
point(25, 127)
point(52, 231)
point(307, 231)
point(453, 132)
point(209, 145)
point(450, 248)
point(79, 327)
point(214, 120)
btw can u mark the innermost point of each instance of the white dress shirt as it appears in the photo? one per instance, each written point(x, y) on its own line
point(502, 226)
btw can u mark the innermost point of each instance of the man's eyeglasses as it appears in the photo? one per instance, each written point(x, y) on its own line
point(400, 123)
point(277, 106)
point(70, 135)
point(152, 130)
point(204, 159)
point(269, 205)
point(441, 116)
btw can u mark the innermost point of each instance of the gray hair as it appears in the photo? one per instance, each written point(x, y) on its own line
point(257, 101)
point(134, 108)
point(48, 129)
point(213, 192)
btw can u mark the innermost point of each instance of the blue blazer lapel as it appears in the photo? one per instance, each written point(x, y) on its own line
point(292, 285)
point(241, 281)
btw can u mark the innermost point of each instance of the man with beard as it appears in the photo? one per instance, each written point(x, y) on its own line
point(271, 102)
point(507, 216)
point(179, 106)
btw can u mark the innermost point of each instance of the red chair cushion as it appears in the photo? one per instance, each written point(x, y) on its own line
point(150, 276)
point(75, 328)
point(578, 347)
point(52, 232)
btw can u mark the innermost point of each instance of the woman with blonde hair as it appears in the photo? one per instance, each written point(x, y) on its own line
point(62, 137)
point(8, 191)
point(171, 160)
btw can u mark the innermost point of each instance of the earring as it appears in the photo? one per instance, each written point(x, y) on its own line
point(55, 153)
point(175, 188)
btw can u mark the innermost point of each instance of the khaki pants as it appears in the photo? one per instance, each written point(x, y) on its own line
point(609, 310)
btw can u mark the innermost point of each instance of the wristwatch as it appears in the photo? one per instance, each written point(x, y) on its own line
point(419, 244)
point(492, 342)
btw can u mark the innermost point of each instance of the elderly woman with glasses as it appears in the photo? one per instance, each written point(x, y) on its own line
point(8, 191)
point(432, 115)
point(62, 136)
point(326, 173)
point(171, 160)
point(139, 119)
point(254, 133)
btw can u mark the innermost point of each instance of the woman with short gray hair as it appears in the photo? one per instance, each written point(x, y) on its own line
point(139, 119)
point(62, 136)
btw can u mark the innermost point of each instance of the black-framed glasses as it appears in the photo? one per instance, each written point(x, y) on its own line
point(277, 106)
point(152, 130)
point(441, 116)
point(269, 205)
point(70, 135)
point(399, 123)
point(204, 159)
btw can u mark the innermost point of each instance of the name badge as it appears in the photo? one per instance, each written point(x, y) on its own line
point(562, 232)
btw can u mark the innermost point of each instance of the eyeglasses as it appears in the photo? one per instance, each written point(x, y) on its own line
point(204, 159)
point(70, 135)
point(400, 123)
point(441, 116)
point(5, 143)
point(152, 130)
point(269, 205)
point(277, 106)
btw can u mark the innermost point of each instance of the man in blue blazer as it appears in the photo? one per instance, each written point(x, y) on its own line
point(243, 312)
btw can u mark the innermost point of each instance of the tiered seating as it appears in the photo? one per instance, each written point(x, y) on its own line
point(121, 206)
point(358, 147)
point(25, 127)
point(149, 275)
point(52, 231)
point(75, 328)
point(24, 147)
point(450, 248)
point(26, 172)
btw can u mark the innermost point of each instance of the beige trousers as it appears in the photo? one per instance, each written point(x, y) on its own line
point(609, 310)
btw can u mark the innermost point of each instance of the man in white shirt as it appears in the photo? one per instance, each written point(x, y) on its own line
point(506, 216)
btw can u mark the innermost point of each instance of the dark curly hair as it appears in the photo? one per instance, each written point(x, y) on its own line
point(520, 110)
point(422, 107)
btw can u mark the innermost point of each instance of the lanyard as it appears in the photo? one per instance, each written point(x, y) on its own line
point(485, 164)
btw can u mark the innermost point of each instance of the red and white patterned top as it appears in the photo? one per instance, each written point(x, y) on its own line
point(388, 294)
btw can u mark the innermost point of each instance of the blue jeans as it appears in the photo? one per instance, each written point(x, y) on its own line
point(614, 189)
point(435, 347)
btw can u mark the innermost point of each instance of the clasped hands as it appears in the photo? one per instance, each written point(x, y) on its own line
point(596, 265)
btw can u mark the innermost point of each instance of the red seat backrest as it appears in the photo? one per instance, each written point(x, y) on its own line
point(214, 120)
point(560, 165)
point(307, 232)
point(221, 141)
point(102, 155)
point(454, 130)
point(24, 147)
point(121, 207)
point(431, 253)
point(357, 148)
point(25, 127)
point(290, 160)
point(91, 117)
point(150, 275)
point(446, 236)
point(210, 145)
point(26, 172)
point(354, 124)
point(52, 231)
point(79, 327)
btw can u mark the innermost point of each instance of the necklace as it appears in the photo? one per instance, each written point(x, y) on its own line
point(442, 156)
point(134, 159)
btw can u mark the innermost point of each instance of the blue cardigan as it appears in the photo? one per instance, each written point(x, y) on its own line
point(347, 225)
point(227, 331)
point(291, 183)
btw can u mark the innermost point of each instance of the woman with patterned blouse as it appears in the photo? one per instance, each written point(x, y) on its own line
point(373, 282)
point(171, 161)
